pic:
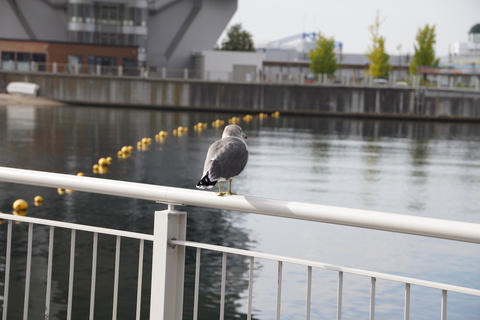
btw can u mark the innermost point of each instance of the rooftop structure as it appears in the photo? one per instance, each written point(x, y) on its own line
point(466, 52)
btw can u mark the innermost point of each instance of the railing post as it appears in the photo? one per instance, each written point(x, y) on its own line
point(168, 265)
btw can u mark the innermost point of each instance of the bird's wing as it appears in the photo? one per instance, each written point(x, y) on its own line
point(226, 158)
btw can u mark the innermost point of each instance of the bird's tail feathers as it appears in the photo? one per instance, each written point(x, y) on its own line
point(205, 182)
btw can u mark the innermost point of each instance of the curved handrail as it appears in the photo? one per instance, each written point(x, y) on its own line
point(422, 226)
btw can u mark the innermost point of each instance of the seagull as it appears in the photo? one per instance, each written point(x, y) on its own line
point(226, 158)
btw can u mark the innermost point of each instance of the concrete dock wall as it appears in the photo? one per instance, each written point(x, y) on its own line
point(399, 102)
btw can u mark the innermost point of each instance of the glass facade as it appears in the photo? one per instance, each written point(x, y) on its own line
point(22, 61)
point(108, 23)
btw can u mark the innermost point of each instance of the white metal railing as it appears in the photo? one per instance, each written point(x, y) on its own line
point(464, 81)
point(169, 241)
point(95, 231)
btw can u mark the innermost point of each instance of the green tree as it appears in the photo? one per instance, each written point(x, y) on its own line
point(424, 52)
point(323, 59)
point(237, 39)
point(379, 59)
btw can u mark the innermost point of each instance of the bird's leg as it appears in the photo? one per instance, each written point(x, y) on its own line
point(229, 192)
point(220, 193)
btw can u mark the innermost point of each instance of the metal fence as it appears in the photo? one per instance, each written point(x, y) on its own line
point(169, 244)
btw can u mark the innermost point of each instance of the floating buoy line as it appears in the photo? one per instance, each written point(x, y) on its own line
point(20, 206)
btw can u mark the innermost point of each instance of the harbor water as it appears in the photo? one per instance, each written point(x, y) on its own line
point(428, 169)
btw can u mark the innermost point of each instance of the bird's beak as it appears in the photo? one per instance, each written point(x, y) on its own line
point(244, 136)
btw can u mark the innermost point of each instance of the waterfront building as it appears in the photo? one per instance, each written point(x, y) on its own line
point(165, 32)
point(219, 65)
point(292, 65)
point(462, 66)
point(467, 52)
point(55, 56)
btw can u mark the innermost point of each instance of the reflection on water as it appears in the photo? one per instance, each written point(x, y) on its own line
point(427, 169)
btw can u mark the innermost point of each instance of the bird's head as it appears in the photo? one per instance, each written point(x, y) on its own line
point(233, 130)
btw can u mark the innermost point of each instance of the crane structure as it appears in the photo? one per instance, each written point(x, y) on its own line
point(304, 36)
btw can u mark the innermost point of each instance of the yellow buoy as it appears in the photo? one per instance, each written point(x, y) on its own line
point(234, 120)
point(247, 118)
point(95, 168)
point(142, 146)
point(38, 200)
point(22, 213)
point(109, 160)
point(60, 191)
point(19, 205)
point(102, 162)
point(218, 123)
point(163, 134)
point(80, 174)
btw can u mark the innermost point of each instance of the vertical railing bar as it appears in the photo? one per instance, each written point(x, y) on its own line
point(8, 257)
point(309, 292)
point(444, 305)
point(250, 288)
point(279, 289)
point(339, 295)
point(49, 273)
point(373, 282)
point(93, 283)
point(28, 271)
point(222, 291)
point(115, 282)
point(197, 284)
point(407, 302)
point(71, 274)
point(140, 278)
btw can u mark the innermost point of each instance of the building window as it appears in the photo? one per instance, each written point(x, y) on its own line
point(8, 60)
point(74, 63)
point(107, 65)
point(23, 61)
point(108, 14)
point(40, 59)
point(88, 37)
point(129, 66)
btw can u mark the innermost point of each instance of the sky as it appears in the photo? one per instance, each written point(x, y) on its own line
point(347, 21)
